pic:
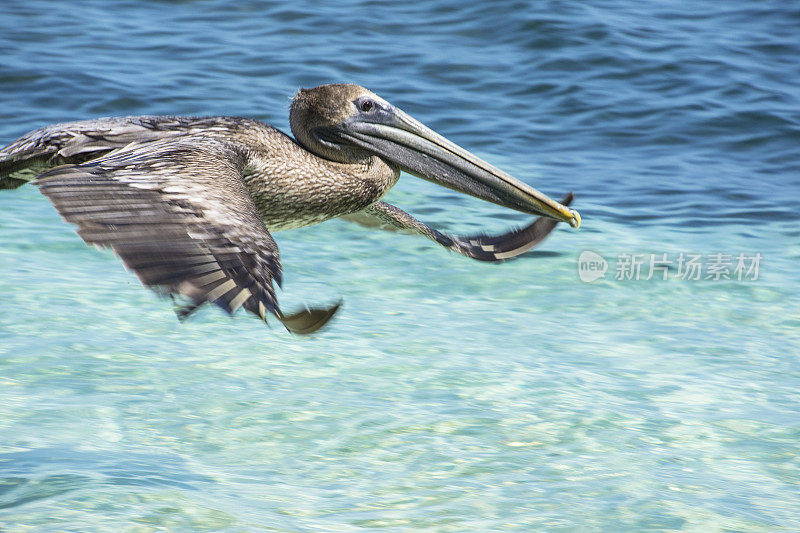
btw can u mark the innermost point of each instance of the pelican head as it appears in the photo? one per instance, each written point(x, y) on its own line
point(347, 123)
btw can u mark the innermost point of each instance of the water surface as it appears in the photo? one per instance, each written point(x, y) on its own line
point(448, 395)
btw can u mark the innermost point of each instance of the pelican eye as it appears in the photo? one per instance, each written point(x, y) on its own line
point(366, 105)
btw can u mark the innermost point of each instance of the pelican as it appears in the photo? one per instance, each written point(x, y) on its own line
point(189, 203)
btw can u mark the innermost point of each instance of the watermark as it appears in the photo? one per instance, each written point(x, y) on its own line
point(682, 266)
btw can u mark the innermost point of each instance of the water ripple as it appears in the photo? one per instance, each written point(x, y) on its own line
point(448, 395)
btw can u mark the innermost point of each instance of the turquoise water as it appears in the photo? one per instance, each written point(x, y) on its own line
point(447, 395)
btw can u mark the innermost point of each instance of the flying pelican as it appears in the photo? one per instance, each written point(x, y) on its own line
point(188, 203)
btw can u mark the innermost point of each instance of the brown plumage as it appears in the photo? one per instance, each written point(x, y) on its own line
point(188, 203)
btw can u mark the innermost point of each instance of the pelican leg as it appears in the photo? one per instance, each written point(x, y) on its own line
point(481, 247)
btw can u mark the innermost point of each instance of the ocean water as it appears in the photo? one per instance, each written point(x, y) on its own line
point(447, 395)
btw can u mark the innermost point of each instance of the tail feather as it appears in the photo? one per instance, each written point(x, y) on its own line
point(38, 151)
point(23, 160)
point(76, 142)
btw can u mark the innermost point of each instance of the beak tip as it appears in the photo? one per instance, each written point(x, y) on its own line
point(575, 222)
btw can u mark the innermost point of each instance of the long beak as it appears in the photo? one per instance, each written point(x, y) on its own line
point(396, 136)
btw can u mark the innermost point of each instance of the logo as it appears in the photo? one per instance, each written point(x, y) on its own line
point(591, 266)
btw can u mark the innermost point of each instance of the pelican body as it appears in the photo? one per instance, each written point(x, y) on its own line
point(189, 203)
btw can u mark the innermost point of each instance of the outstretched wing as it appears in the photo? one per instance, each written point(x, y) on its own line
point(179, 215)
point(481, 247)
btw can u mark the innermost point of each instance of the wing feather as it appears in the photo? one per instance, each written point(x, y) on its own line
point(494, 248)
point(178, 214)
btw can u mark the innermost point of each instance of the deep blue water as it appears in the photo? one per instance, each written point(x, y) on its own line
point(448, 395)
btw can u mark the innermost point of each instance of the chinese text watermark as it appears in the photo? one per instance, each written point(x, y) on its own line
point(662, 266)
